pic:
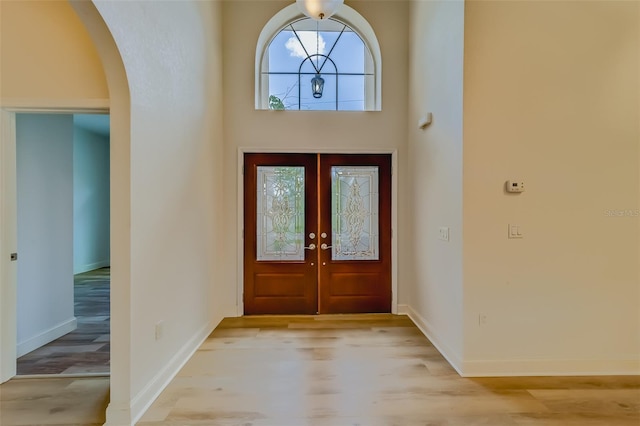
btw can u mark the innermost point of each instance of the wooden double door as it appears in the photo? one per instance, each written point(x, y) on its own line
point(317, 233)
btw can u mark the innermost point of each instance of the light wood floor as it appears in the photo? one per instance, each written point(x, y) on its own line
point(364, 370)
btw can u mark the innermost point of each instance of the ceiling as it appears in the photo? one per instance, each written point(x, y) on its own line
point(96, 123)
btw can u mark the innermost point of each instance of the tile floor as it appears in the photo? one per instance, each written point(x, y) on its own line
point(86, 349)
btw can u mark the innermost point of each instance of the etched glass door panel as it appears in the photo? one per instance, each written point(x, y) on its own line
point(354, 212)
point(280, 213)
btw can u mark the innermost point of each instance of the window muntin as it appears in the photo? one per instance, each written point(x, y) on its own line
point(304, 47)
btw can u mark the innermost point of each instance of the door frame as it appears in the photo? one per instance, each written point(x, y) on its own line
point(240, 209)
point(9, 222)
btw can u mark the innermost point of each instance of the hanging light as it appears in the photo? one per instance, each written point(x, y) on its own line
point(319, 9)
point(317, 84)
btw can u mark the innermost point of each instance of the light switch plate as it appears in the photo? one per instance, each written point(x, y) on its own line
point(515, 231)
point(443, 233)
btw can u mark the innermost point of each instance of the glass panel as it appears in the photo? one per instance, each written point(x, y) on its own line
point(328, 99)
point(283, 88)
point(351, 93)
point(285, 52)
point(280, 213)
point(354, 212)
point(349, 53)
point(303, 48)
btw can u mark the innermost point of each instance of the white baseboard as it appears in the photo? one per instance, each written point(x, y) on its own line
point(46, 336)
point(449, 354)
point(122, 414)
point(524, 367)
point(551, 367)
point(91, 266)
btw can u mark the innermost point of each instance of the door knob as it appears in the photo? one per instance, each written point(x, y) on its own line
point(312, 236)
point(324, 246)
point(311, 247)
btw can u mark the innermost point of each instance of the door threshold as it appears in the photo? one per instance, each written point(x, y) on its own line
point(320, 317)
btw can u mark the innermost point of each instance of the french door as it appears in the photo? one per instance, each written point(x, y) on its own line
point(317, 233)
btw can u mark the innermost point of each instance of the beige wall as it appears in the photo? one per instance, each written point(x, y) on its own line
point(47, 54)
point(297, 131)
point(435, 173)
point(551, 97)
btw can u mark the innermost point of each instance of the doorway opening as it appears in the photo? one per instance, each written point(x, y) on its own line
point(317, 233)
point(63, 236)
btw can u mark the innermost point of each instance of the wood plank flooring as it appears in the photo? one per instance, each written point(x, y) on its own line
point(339, 370)
point(86, 350)
point(55, 401)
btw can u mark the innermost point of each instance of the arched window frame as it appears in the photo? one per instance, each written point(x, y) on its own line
point(346, 14)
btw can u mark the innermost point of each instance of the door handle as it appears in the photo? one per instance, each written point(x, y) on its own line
point(311, 247)
point(324, 246)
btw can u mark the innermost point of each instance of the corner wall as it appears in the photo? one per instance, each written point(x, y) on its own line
point(435, 298)
point(91, 248)
point(551, 97)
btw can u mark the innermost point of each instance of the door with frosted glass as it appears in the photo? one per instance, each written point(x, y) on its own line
point(317, 233)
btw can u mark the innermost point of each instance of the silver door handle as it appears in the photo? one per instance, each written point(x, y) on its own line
point(324, 246)
point(311, 247)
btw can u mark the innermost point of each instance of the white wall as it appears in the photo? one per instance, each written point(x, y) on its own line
point(435, 173)
point(44, 152)
point(551, 96)
point(308, 131)
point(171, 52)
point(90, 200)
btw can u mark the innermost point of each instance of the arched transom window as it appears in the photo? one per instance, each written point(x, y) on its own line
point(317, 65)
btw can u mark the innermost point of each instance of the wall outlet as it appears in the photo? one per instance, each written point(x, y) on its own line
point(159, 330)
point(443, 233)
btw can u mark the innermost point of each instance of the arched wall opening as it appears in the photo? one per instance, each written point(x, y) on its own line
point(54, 101)
point(120, 110)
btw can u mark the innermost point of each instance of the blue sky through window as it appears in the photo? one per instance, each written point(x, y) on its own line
point(344, 72)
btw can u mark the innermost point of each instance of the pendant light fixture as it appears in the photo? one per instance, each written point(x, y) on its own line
point(319, 9)
point(317, 84)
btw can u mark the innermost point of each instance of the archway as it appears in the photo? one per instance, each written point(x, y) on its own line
point(119, 107)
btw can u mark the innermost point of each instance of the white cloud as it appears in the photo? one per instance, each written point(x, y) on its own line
point(310, 42)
